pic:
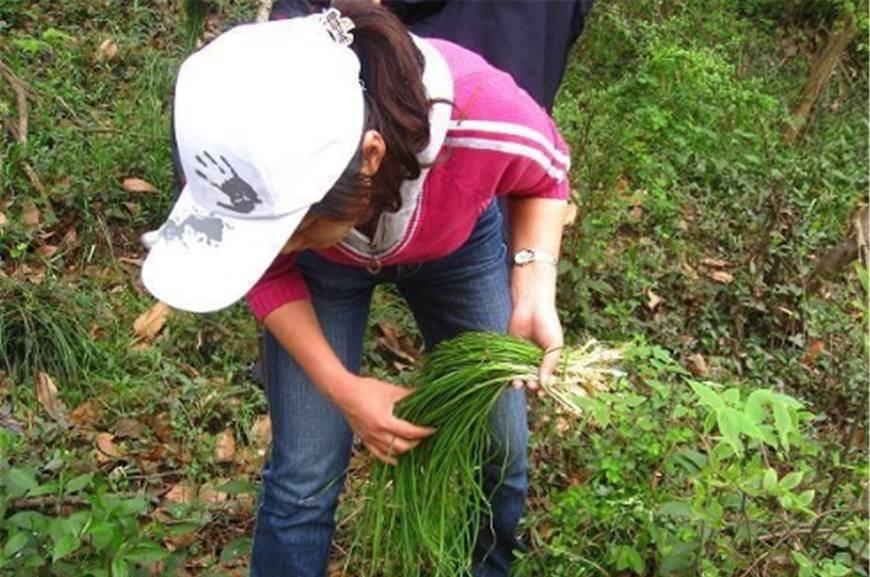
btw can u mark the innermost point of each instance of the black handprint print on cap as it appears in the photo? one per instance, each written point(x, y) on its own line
point(241, 195)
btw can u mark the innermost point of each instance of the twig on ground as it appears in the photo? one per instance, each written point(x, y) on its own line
point(22, 93)
point(764, 555)
point(19, 130)
point(51, 501)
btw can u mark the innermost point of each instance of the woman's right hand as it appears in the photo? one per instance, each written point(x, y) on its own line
point(368, 406)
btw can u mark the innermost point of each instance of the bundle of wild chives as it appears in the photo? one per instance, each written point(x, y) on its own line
point(423, 515)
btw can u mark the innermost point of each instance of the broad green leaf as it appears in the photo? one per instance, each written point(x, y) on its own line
point(782, 422)
point(15, 544)
point(146, 552)
point(791, 480)
point(801, 559)
point(76, 484)
point(237, 486)
point(729, 421)
point(31, 520)
point(677, 509)
point(679, 558)
point(806, 566)
point(120, 568)
point(628, 557)
point(692, 461)
point(235, 549)
point(45, 489)
point(707, 396)
point(769, 480)
point(837, 570)
point(806, 498)
point(134, 506)
point(32, 560)
point(754, 407)
point(64, 546)
point(20, 482)
point(177, 529)
point(732, 396)
point(748, 427)
point(103, 534)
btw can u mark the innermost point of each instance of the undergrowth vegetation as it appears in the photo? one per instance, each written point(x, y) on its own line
point(131, 437)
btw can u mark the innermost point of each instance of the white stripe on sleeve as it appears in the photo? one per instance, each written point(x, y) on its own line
point(498, 127)
point(510, 148)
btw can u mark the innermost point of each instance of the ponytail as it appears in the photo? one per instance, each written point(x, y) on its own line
point(391, 70)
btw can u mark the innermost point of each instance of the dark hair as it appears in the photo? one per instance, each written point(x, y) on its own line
point(391, 70)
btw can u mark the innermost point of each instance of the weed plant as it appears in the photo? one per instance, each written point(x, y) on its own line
point(45, 328)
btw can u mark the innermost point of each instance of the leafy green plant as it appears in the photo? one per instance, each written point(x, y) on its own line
point(692, 478)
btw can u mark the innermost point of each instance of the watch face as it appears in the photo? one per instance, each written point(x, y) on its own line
point(523, 257)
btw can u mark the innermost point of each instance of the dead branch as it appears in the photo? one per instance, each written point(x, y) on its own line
point(34, 179)
point(820, 74)
point(856, 245)
point(21, 95)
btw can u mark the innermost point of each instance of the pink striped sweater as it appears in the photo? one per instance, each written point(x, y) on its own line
point(494, 140)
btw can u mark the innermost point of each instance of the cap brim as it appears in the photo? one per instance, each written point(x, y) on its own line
point(203, 261)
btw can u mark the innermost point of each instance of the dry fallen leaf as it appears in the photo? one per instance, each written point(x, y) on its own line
point(46, 394)
point(33, 275)
point(697, 365)
point(3, 219)
point(47, 250)
point(654, 300)
point(31, 216)
point(85, 415)
point(151, 321)
point(722, 277)
point(127, 427)
point(138, 185)
point(183, 492)
point(155, 453)
point(107, 50)
point(262, 434)
point(71, 237)
point(816, 348)
point(621, 185)
point(106, 449)
point(132, 207)
point(225, 449)
point(162, 425)
point(399, 344)
point(715, 263)
point(208, 494)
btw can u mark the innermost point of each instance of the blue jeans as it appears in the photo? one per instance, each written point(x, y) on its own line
point(466, 290)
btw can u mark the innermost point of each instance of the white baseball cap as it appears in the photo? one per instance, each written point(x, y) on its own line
point(267, 117)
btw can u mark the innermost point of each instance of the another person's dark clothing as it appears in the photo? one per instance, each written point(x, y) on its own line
point(528, 39)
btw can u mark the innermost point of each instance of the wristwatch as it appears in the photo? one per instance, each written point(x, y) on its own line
point(528, 255)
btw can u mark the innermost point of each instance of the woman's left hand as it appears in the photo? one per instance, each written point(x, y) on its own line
point(534, 316)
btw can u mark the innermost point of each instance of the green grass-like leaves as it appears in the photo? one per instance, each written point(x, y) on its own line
point(424, 515)
point(44, 327)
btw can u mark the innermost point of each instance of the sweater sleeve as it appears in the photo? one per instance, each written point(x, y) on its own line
point(280, 284)
point(524, 142)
